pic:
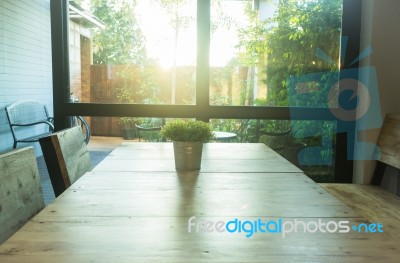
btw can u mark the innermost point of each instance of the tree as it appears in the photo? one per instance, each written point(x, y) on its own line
point(253, 47)
point(296, 32)
point(178, 21)
point(122, 41)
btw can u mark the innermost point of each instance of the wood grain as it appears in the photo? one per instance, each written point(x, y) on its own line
point(20, 190)
point(389, 140)
point(66, 156)
point(129, 210)
point(72, 150)
point(371, 202)
point(216, 157)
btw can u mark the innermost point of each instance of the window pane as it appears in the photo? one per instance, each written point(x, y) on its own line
point(307, 144)
point(141, 129)
point(261, 55)
point(134, 52)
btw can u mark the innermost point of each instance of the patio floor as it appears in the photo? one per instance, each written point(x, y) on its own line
point(99, 148)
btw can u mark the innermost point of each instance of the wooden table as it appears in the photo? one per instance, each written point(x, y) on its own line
point(134, 207)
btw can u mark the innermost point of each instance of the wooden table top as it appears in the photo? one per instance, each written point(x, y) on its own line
point(134, 207)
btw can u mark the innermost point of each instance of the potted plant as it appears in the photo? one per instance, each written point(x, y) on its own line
point(188, 138)
point(125, 95)
point(128, 127)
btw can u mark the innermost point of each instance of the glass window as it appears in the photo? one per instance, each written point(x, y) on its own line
point(257, 49)
point(141, 52)
point(310, 145)
point(262, 53)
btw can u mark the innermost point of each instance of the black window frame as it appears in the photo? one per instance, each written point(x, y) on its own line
point(351, 27)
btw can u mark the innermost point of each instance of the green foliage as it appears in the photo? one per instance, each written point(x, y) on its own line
point(252, 39)
point(128, 122)
point(124, 95)
point(239, 127)
point(121, 42)
point(174, 9)
point(149, 86)
point(137, 84)
point(187, 131)
point(297, 30)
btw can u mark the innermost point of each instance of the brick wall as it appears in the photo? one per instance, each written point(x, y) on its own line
point(79, 57)
point(86, 61)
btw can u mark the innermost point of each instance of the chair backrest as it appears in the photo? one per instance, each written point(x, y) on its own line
point(67, 157)
point(389, 141)
point(29, 120)
point(149, 129)
point(21, 194)
point(387, 151)
point(148, 134)
point(26, 111)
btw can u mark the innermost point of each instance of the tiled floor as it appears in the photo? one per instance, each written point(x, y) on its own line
point(99, 148)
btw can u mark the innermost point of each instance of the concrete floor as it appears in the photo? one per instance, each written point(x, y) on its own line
point(99, 143)
point(99, 148)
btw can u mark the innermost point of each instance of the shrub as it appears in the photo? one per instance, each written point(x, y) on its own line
point(187, 131)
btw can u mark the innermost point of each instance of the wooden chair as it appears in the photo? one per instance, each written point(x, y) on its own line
point(21, 194)
point(389, 145)
point(66, 157)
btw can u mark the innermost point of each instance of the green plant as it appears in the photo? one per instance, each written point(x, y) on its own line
point(128, 122)
point(295, 33)
point(121, 41)
point(187, 131)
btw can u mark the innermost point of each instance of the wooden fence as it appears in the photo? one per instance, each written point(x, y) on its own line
point(133, 84)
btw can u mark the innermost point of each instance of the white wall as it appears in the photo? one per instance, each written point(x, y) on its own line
point(25, 57)
point(381, 31)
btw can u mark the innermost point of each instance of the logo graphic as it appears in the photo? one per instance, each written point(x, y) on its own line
point(282, 227)
point(353, 99)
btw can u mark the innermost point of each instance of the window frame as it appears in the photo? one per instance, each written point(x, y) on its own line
point(202, 110)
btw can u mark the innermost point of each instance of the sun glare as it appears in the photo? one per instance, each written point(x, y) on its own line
point(160, 35)
point(164, 43)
